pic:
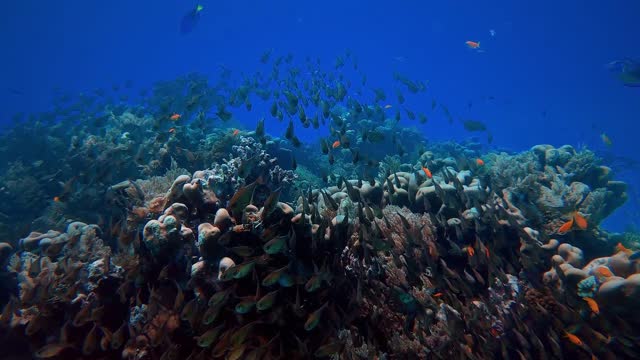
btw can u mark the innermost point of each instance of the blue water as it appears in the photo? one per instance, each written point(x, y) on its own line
point(541, 79)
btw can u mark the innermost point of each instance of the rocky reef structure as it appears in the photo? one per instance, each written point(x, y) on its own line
point(450, 258)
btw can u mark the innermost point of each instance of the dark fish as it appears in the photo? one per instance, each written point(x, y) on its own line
point(410, 114)
point(295, 141)
point(380, 95)
point(289, 133)
point(190, 20)
point(473, 125)
point(223, 114)
point(324, 146)
point(270, 203)
point(260, 128)
point(355, 156)
point(265, 56)
point(446, 113)
point(241, 199)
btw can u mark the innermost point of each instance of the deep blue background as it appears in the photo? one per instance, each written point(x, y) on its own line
point(548, 57)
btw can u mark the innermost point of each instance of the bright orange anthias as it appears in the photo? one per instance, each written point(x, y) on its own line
point(576, 219)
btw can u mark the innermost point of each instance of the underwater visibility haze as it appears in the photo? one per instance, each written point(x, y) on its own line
point(308, 180)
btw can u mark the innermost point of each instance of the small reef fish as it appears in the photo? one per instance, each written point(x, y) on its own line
point(175, 117)
point(388, 106)
point(580, 221)
point(335, 144)
point(566, 227)
point(470, 251)
point(472, 44)
point(172, 130)
point(576, 219)
point(328, 349)
point(276, 245)
point(190, 20)
point(573, 339)
point(274, 276)
point(603, 271)
point(236, 132)
point(427, 172)
point(205, 340)
point(606, 139)
point(620, 247)
point(245, 305)
point(474, 125)
point(314, 318)
point(267, 301)
point(593, 305)
point(479, 162)
point(219, 297)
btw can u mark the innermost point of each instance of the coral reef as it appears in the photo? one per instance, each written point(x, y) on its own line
point(162, 236)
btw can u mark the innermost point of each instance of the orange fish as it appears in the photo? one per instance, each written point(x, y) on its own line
point(56, 198)
point(336, 144)
point(479, 162)
point(593, 305)
point(574, 339)
point(604, 271)
point(427, 172)
point(437, 295)
point(566, 227)
point(470, 251)
point(577, 219)
point(473, 44)
point(236, 132)
point(580, 221)
point(622, 248)
point(175, 117)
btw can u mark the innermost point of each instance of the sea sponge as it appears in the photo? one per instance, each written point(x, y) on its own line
point(223, 220)
point(620, 296)
point(207, 243)
point(224, 264)
point(176, 192)
point(572, 254)
point(162, 236)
